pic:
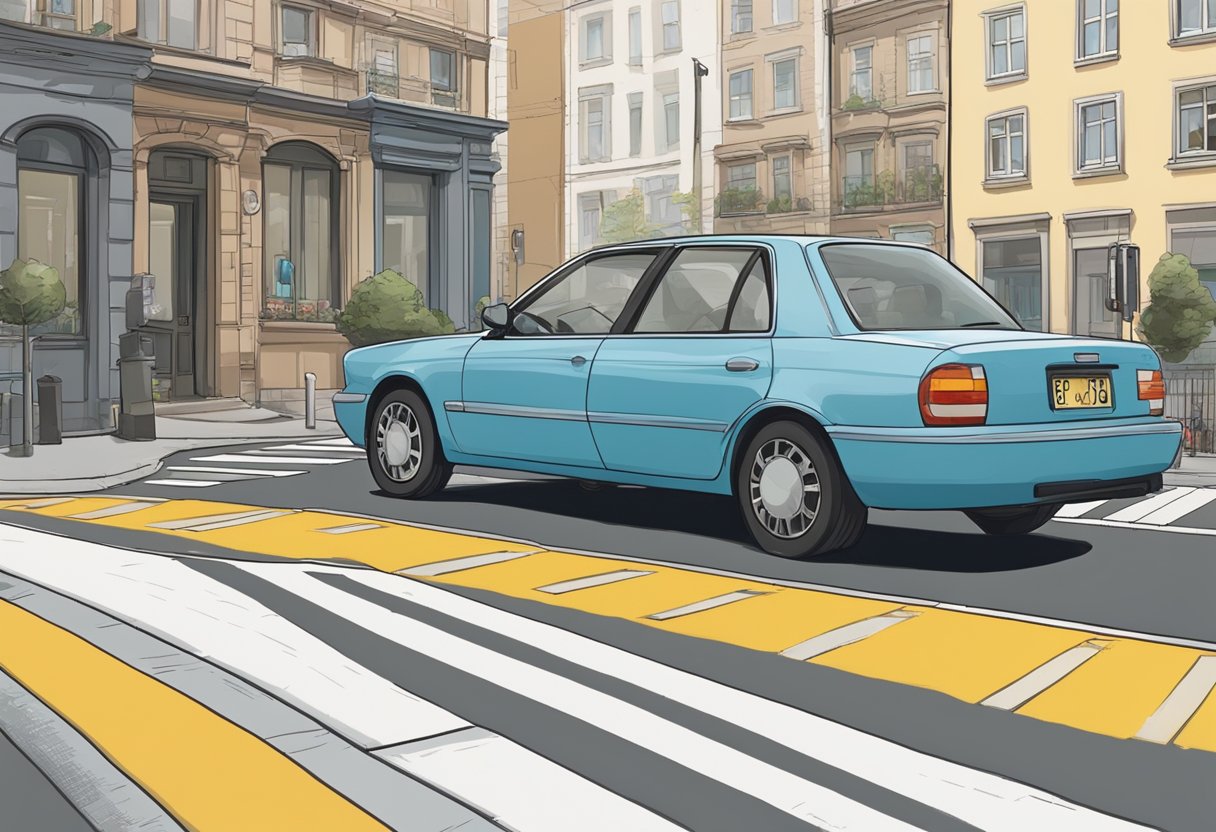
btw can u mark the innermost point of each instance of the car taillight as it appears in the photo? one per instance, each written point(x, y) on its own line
point(1152, 390)
point(954, 394)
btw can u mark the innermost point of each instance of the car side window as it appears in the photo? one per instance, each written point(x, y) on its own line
point(586, 300)
point(697, 291)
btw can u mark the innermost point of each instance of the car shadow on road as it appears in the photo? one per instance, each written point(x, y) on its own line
point(712, 516)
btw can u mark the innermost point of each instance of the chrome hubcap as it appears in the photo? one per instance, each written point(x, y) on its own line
point(784, 489)
point(399, 442)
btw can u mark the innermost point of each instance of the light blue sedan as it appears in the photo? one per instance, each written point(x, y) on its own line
point(811, 378)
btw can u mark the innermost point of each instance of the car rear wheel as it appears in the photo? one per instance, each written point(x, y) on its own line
point(403, 447)
point(1014, 520)
point(795, 499)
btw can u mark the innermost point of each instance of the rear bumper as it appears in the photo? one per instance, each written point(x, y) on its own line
point(905, 468)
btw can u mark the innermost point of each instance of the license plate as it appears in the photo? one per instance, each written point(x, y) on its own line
point(1074, 392)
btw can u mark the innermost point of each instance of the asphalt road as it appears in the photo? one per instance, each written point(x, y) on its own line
point(1147, 581)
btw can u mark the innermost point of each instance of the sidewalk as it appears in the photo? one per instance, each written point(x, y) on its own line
point(93, 463)
point(1196, 471)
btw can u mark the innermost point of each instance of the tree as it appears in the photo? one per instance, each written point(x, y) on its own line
point(31, 293)
point(388, 307)
point(1181, 310)
point(625, 220)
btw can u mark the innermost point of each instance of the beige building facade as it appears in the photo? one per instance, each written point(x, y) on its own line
point(889, 100)
point(773, 161)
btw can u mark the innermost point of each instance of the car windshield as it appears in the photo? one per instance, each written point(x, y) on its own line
point(901, 287)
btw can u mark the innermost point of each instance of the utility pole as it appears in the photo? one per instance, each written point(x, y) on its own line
point(699, 71)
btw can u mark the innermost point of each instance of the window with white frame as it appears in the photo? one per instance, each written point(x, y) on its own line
point(1098, 132)
point(1196, 119)
point(861, 80)
point(740, 16)
point(662, 210)
point(740, 192)
point(918, 179)
point(669, 19)
point(1006, 146)
point(175, 23)
point(1097, 28)
point(297, 33)
point(635, 124)
point(785, 84)
point(1007, 44)
point(1195, 17)
point(741, 95)
point(56, 14)
point(671, 120)
point(591, 218)
point(920, 63)
point(595, 124)
point(858, 182)
point(783, 182)
point(596, 39)
point(635, 37)
point(784, 11)
point(443, 78)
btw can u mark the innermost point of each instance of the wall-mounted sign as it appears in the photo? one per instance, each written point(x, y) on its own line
point(250, 202)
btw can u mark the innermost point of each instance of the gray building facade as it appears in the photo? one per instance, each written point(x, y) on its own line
point(66, 199)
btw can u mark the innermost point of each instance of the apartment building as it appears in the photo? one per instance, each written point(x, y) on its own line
point(630, 113)
point(890, 121)
point(773, 162)
point(273, 155)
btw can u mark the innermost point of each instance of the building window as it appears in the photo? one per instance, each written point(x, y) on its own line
point(596, 39)
point(741, 95)
point(443, 78)
point(1199, 246)
point(1197, 120)
point(1007, 44)
point(919, 178)
point(783, 183)
point(921, 235)
point(1091, 283)
point(296, 33)
point(785, 84)
point(784, 11)
point(171, 22)
point(671, 120)
point(635, 37)
point(670, 18)
point(1097, 28)
point(1098, 135)
point(1013, 274)
point(861, 81)
point(1007, 146)
point(635, 124)
point(591, 218)
point(858, 185)
point(300, 213)
point(595, 118)
point(662, 211)
point(740, 194)
point(405, 231)
point(920, 64)
point(53, 180)
point(740, 16)
point(1195, 17)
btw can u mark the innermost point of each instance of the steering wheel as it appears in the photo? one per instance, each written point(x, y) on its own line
point(526, 324)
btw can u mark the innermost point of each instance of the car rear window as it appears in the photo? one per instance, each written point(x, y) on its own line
point(902, 287)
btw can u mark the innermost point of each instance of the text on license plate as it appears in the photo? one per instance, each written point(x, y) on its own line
point(1080, 391)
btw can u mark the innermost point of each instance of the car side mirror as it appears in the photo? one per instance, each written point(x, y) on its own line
point(496, 317)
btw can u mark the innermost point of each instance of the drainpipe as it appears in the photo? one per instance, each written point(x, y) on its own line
point(829, 41)
point(949, 185)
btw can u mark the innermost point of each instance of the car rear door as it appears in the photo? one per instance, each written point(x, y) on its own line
point(524, 394)
point(695, 357)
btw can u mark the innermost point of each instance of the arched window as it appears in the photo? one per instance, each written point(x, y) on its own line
point(300, 207)
point(53, 174)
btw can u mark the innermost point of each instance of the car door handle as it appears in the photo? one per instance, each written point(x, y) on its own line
point(578, 361)
point(742, 365)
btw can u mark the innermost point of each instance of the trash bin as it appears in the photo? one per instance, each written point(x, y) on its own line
point(50, 410)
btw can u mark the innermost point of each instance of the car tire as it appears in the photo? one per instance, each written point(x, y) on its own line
point(1014, 520)
point(773, 479)
point(403, 447)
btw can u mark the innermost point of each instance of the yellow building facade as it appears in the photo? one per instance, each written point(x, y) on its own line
point(1077, 124)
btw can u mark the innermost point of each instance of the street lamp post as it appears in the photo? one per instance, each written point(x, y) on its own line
point(699, 71)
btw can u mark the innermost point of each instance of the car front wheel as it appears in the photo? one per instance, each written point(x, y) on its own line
point(403, 447)
point(1014, 520)
point(795, 498)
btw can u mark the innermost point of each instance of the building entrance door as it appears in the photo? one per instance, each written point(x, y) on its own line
point(174, 264)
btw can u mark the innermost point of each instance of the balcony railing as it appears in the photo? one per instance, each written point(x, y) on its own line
point(866, 193)
point(405, 88)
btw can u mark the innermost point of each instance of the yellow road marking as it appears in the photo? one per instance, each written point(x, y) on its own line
point(207, 772)
point(1115, 691)
point(966, 656)
point(1200, 731)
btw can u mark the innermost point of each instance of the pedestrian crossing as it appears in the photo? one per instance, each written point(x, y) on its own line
point(297, 458)
point(1179, 508)
point(233, 691)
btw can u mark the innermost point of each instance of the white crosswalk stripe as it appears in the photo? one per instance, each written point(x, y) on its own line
point(1173, 509)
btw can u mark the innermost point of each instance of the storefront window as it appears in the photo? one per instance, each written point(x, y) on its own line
point(300, 215)
point(1199, 246)
point(405, 233)
point(51, 183)
point(1013, 273)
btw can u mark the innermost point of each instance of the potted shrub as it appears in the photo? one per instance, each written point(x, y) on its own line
point(388, 307)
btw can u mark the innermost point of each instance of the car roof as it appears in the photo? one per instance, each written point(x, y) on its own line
point(805, 239)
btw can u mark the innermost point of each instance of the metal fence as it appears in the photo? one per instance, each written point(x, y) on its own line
point(1190, 398)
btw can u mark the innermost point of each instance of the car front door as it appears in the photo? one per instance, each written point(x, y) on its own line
point(524, 393)
point(663, 395)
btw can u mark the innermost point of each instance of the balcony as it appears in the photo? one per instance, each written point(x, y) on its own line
point(413, 90)
point(919, 186)
point(736, 201)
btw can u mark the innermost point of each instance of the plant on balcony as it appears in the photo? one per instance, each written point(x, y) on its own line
point(923, 184)
point(780, 205)
point(739, 201)
point(383, 83)
point(855, 102)
point(388, 307)
point(100, 29)
point(1181, 310)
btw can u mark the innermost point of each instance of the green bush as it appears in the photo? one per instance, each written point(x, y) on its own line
point(387, 307)
point(31, 293)
point(1181, 309)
